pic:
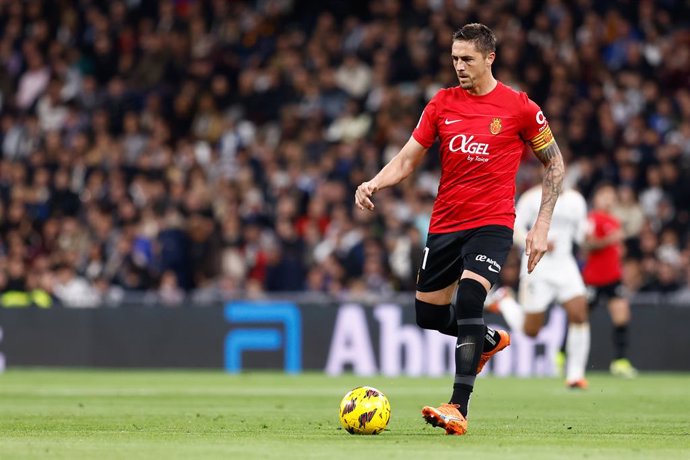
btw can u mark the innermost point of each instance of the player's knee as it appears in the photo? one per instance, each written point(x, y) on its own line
point(471, 296)
point(533, 324)
point(430, 316)
point(577, 309)
point(531, 330)
point(578, 316)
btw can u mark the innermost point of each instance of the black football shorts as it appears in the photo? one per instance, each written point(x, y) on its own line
point(602, 294)
point(482, 250)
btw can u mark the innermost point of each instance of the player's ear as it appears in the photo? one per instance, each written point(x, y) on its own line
point(490, 58)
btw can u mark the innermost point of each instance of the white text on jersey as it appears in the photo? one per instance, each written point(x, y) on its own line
point(467, 146)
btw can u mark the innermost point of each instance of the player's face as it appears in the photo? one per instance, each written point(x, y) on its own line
point(605, 198)
point(470, 65)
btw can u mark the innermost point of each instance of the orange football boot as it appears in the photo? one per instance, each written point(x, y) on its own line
point(504, 341)
point(446, 416)
point(581, 384)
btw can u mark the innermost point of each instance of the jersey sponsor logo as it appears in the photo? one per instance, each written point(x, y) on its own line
point(494, 266)
point(450, 122)
point(541, 119)
point(465, 144)
point(495, 126)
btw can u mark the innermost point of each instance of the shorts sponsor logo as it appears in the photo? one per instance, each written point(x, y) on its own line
point(494, 266)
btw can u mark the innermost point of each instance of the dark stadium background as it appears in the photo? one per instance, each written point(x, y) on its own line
point(189, 153)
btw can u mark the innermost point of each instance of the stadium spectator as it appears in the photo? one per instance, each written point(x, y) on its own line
point(73, 290)
point(144, 138)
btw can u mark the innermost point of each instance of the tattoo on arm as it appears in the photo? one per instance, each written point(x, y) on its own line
point(552, 185)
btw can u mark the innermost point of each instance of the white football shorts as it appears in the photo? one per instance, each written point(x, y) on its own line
point(553, 280)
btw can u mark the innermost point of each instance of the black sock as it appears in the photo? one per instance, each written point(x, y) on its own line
point(451, 324)
point(491, 339)
point(470, 343)
point(461, 396)
point(467, 353)
point(620, 341)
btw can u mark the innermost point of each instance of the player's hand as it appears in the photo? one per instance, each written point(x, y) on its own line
point(617, 236)
point(536, 244)
point(363, 196)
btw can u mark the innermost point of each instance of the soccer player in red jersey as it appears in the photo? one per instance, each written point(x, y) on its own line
point(482, 125)
point(603, 271)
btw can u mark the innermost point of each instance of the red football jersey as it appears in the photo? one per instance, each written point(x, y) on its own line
point(604, 265)
point(482, 141)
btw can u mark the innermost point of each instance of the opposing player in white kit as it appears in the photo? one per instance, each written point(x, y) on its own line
point(556, 279)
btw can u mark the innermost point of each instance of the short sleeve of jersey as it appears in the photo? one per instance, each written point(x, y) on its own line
point(535, 129)
point(426, 131)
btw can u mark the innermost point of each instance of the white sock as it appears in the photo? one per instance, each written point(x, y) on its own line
point(577, 351)
point(512, 313)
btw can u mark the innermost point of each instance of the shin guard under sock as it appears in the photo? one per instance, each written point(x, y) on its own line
point(470, 343)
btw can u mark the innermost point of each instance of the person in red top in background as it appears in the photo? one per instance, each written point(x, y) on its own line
point(482, 126)
point(603, 271)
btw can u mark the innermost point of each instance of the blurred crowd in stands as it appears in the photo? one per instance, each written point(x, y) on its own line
point(197, 151)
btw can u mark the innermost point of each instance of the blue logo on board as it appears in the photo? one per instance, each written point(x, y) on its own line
point(289, 338)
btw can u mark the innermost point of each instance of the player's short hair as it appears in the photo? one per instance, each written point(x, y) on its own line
point(483, 37)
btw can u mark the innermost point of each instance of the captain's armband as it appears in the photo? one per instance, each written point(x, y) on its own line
point(542, 140)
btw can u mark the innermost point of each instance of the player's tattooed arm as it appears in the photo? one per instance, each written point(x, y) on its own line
point(536, 242)
point(552, 184)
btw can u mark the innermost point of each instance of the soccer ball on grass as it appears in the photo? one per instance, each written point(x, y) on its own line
point(364, 410)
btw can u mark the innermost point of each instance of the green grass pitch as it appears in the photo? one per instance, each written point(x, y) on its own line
point(57, 414)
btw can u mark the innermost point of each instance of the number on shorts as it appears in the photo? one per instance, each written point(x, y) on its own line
point(426, 254)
